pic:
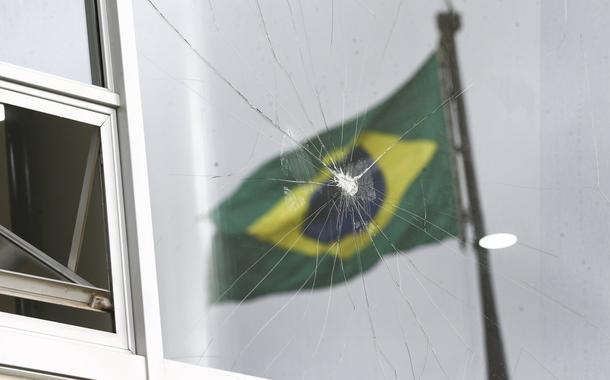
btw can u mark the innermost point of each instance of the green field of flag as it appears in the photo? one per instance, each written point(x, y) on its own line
point(289, 227)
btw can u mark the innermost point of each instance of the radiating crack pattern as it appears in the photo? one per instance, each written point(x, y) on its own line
point(342, 201)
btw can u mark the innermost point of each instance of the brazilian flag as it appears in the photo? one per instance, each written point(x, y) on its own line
point(379, 184)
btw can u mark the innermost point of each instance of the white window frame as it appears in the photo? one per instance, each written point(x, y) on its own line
point(135, 350)
point(104, 119)
point(39, 349)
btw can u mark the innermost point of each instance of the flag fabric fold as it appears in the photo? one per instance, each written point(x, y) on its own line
point(377, 185)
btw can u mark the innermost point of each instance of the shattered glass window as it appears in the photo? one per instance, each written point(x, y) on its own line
point(380, 189)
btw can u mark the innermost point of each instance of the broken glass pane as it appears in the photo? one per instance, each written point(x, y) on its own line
point(322, 172)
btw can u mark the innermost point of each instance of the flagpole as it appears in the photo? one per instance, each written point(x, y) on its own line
point(449, 24)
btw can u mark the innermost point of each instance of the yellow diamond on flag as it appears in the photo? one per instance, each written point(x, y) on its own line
point(290, 224)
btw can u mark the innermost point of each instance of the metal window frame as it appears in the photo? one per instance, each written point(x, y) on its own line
point(54, 350)
point(41, 257)
point(122, 77)
point(73, 290)
point(54, 291)
point(38, 344)
point(94, 39)
point(36, 100)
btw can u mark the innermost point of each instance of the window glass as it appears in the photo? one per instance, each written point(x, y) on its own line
point(52, 217)
point(313, 219)
point(56, 37)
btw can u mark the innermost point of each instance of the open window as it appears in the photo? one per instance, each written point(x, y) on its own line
point(61, 249)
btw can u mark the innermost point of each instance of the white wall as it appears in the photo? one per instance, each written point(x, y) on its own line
point(534, 76)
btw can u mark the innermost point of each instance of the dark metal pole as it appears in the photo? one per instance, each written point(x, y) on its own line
point(449, 24)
